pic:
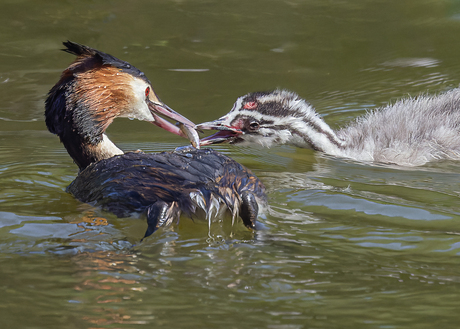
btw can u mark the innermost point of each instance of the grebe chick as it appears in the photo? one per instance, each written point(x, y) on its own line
point(97, 88)
point(411, 132)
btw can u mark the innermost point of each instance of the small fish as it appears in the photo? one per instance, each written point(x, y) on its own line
point(191, 134)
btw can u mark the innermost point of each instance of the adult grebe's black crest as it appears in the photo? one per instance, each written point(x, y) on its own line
point(97, 88)
point(410, 132)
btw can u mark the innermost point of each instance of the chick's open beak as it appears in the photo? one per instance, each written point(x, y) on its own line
point(185, 127)
point(226, 133)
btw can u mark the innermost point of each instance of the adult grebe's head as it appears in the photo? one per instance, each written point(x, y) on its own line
point(94, 90)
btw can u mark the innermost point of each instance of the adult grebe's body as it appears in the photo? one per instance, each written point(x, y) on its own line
point(411, 132)
point(92, 92)
point(164, 185)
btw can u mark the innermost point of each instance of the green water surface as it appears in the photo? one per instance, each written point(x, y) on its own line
point(345, 245)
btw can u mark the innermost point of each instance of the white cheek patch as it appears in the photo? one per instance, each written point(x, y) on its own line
point(137, 108)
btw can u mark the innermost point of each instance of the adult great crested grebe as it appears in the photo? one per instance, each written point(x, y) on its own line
point(97, 88)
point(411, 132)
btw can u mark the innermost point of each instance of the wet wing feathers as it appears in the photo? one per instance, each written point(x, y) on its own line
point(133, 181)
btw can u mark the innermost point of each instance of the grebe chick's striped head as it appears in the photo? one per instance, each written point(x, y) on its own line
point(272, 118)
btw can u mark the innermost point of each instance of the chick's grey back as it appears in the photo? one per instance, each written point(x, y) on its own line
point(410, 132)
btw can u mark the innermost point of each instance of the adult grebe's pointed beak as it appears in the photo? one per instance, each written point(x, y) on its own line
point(185, 128)
point(226, 133)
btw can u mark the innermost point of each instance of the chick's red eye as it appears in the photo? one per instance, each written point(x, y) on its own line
point(147, 91)
point(250, 105)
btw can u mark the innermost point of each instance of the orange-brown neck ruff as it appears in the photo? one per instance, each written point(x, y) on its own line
point(98, 97)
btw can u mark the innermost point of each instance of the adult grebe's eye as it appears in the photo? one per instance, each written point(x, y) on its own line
point(147, 92)
point(254, 125)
